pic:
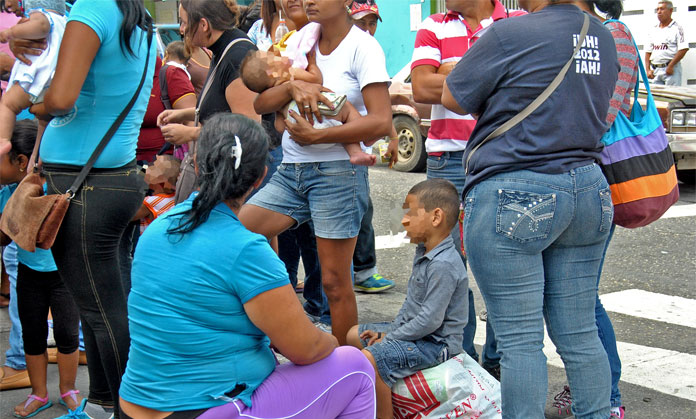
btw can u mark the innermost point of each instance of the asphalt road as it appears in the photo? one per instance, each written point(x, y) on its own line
point(648, 288)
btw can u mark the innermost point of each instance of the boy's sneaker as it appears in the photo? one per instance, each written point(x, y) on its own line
point(563, 400)
point(375, 283)
point(618, 413)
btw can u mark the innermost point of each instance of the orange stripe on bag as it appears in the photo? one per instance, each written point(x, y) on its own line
point(644, 187)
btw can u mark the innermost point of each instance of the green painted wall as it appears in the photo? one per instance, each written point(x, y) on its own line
point(394, 32)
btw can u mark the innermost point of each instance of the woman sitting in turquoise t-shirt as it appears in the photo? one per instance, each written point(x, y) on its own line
point(208, 299)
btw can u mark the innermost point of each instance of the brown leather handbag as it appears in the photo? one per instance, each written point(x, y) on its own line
point(31, 218)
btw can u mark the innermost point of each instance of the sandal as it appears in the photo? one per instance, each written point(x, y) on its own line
point(73, 395)
point(30, 399)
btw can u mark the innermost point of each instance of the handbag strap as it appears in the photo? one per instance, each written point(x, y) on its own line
point(211, 76)
point(539, 100)
point(114, 127)
point(641, 68)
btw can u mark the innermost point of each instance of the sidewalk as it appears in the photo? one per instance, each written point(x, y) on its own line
point(10, 398)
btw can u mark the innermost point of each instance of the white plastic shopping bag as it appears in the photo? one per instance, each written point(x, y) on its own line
point(458, 388)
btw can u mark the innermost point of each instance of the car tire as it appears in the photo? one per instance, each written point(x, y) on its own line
point(412, 155)
point(687, 176)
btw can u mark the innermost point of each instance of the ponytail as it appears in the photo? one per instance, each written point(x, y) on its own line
point(231, 156)
point(611, 8)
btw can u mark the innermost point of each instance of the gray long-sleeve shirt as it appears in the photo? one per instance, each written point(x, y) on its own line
point(437, 303)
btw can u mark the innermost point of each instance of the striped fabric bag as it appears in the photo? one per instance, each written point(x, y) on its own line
point(638, 163)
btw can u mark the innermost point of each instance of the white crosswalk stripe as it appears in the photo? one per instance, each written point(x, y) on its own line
point(653, 306)
point(662, 370)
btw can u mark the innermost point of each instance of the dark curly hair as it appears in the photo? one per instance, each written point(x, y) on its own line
point(217, 177)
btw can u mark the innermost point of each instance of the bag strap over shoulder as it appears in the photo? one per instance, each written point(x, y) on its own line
point(539, 100)
point(114, 127)
point(164, 89)
point(211, 76)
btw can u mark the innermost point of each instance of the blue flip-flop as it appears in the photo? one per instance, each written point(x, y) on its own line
point(30, 398)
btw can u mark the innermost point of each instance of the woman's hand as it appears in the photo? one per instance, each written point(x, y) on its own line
point(302, 132)
point(23, 47)
point(179, 134)
point(175, 116)
point(393, 152)
point(40, 112)
point(308, 96)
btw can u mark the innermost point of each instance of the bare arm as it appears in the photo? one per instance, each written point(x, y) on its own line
point(450, 103)
point(241, 100)
point(6, 63)
point(427, 84)
point(376, 124)
point(280, 316)
point(77, 51)
point(143, 212)
point(647, 64)
point(312, 74)
point(677, 57)
point(37, 27)
point(275, 98)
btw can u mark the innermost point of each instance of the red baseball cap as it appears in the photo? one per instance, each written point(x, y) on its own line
point(360, 9)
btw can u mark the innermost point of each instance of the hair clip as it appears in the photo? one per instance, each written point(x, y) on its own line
point(237, 152)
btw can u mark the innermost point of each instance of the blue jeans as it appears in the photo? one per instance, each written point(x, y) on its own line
point(535, 243)
point(87, 252)
point(449, 166)
point(607, 336)
point(14, 357)
point(397, 359)
point(332, 194)
point(661, 76)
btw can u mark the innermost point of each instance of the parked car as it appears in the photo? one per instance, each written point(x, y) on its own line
point(677, 107)
point(411, 121)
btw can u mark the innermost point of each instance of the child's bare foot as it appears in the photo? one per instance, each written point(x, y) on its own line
point(363, 159)
point(32, 405)
point(71, 399)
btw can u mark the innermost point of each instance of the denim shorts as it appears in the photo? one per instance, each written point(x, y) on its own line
point(332, 194)
point(397, 359)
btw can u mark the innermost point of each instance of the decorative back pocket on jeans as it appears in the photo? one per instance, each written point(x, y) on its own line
point(524, 216)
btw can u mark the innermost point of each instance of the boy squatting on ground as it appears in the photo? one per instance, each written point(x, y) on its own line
point(262, 70)
point(161, 178)
point(428, 329)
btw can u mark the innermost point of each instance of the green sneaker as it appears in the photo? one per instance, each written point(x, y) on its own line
point(375, 283)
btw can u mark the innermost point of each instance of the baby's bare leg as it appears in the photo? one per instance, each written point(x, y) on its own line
point(358, 156)
point(14, 101)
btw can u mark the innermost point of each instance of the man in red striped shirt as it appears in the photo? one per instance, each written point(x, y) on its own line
point(441, 41)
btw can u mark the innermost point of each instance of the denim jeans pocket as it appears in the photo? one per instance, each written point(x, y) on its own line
point(524, 216)
point(337, 168)
point(413, 355)
point(607, 209)
point(436, 162)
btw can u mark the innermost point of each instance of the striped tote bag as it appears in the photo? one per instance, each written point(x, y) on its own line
point(638, 163)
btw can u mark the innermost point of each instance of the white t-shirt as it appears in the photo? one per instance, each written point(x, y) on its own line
point(665, 42)
point(356, 62)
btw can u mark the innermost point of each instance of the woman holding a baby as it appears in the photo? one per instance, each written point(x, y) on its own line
point(320, 183)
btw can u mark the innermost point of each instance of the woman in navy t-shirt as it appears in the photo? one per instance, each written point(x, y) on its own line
point(537, 206)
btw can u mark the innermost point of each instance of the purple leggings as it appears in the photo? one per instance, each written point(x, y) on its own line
point(342, 385)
